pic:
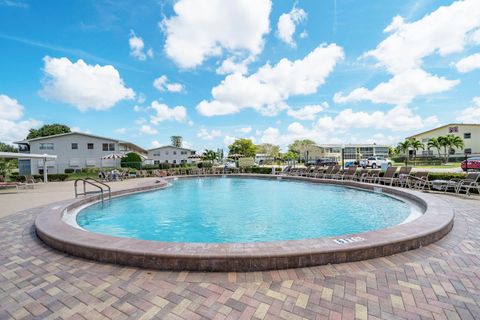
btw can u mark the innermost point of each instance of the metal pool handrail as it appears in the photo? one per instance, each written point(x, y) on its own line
point(95, 183)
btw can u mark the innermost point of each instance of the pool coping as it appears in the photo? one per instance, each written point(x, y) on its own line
point(435, 223)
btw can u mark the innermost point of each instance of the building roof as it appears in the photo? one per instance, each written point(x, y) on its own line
point(19, 155)
point(447, 125)
point(163, 147)
point(359, 145)
point(133, 146)
point(64, 134)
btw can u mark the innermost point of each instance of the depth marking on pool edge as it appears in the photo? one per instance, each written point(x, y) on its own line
point(348, 240)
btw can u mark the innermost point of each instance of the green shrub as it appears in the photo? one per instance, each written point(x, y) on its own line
point(261, 170)
point(69, 170)
point(131, 160)
point(445, 176)
point(91, 170)
point(51, 177)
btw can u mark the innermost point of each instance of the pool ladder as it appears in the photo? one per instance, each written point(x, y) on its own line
point(97, 184)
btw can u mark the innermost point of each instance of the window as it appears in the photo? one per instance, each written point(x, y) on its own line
point(468, 151)
point(467, 135)
point(424, 140)
point(108, 146)
point(452, 129)
point(174, 152)
point(183, 152)
point(166, 152)
point(156, 154)
point(156, 162)
point(166, 161)
point(74, 146)
point(90, 146)
point(174, 161)
point(46, 146)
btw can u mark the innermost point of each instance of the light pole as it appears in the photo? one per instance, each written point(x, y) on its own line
point(343, 157)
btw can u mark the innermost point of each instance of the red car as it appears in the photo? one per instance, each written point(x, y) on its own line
point(473, 164)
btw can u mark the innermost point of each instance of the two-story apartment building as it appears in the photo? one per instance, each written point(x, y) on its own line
point(470, 134)
point(74, 150)
point(170, 154)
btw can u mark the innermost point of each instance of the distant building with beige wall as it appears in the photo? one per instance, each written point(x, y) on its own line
point(470, 133)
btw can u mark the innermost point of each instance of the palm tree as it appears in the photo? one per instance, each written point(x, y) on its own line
point(452, 142)
point(404, 147)
point(416, 145)
point(210, 155)
point(434, 143)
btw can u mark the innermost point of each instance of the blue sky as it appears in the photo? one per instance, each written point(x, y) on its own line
point(212, 71)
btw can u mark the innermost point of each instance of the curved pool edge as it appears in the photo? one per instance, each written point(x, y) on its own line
point(435, 223)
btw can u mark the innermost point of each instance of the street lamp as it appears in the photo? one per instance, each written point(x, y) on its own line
point(343, 157)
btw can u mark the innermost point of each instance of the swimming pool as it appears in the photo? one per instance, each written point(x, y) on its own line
point(229, 210)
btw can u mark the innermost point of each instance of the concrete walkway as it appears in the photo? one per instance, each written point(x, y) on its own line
point(440, 281)
point(50, 192)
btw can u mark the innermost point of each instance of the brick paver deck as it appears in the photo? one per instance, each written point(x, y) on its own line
point(440, 281)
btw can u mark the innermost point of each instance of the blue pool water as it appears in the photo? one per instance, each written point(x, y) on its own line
point(225, 210)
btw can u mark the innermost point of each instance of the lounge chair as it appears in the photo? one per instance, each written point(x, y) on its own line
point(418, 181)
point(389, 176)
point(30, 181)
point(372, 176)
point(316, 171)
point(333, 173)
point(471, 182)
point(8, 185)
point(323, 172)
point(403, 174)
point(361, 175)
point(349, 174)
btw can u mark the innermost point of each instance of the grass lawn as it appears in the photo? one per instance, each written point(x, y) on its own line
point(450, 165)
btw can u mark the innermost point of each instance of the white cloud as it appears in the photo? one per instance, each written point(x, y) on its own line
point(471, 114)
point(205, 28)
point(156, 144)
point(121, 130)
point(469, 63)
point(245, 130)
point(12, 128)
point(304, 34)
point(266, 90)
point(82, 85)
point(161, 83)
point(146, 129)
point(208, 135)
point(336, 129)
point(78, 129)
point(228, 140)
point(401, 89)
point(442, 32)
point(164, 113)
point(287, 24)
point(231, 65)
point(308, 112)
point(137, 48)
point(10, 109)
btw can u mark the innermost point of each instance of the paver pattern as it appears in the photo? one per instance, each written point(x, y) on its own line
point(440, 281)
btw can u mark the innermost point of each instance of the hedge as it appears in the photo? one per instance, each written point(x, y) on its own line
point(261, 170)
point(51, 177)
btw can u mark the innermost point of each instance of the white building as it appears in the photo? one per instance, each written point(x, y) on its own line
point(170, 154)
point(74, 150)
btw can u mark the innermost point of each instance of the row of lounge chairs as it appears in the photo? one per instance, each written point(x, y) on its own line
point(403, 178)
point(29, 182)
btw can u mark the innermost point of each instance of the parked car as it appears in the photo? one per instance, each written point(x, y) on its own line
point(473, 164)
point(325, 162)
point(375, 162)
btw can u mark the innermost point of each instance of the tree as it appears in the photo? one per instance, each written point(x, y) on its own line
point(210, 155)
point(452, 142)
point(48, 130)
point(131, 160)
point(7, 148)
point(434, 143)
point(7, 166)
point(392, 152)
point(302, 147)
point(416, 145)
point(404, 147)
point(270, 150)
point(177, 141)
point(245, 147)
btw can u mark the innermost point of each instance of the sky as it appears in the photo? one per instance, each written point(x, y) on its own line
point(212, 71)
